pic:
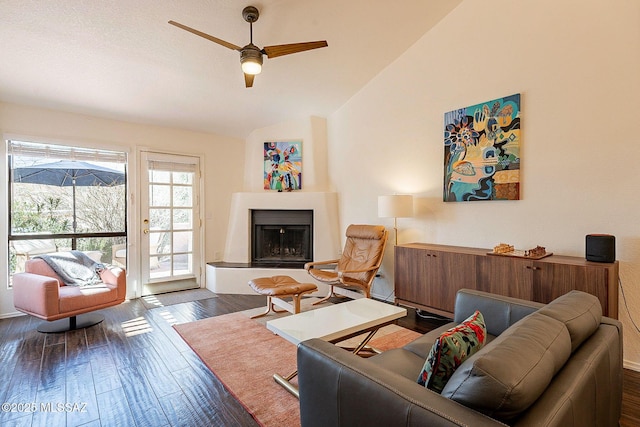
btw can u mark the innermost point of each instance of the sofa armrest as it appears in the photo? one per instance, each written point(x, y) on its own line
point(338, 388)
point(588, 389)
point(35, 294)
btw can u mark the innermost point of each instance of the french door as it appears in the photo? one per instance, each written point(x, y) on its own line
point(170, 222)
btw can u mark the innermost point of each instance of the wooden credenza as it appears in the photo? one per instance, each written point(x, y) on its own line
point(427, 277)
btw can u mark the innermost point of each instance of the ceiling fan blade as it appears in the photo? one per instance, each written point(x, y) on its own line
point(206, 36)
point(287, 49)
point(248, 79)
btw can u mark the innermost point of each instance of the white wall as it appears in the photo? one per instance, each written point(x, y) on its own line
point(223, 160)
point(577, 66)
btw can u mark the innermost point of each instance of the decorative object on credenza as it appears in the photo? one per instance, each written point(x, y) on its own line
point(600, 248)
point(504, 249)
point(395, 206)
point(538, 251)
point(482, 151)
point(283, 166)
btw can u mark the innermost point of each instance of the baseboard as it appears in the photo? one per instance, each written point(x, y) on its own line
point(9, 315)
point(634, 366)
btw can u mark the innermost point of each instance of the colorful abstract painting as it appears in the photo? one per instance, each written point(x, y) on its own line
point(283, 166)
point(482, 151)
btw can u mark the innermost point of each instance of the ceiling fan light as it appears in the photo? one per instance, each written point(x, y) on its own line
point(251, 59)
point(251, 66)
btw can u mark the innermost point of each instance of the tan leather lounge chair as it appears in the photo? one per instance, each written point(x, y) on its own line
point(358, 265)
point(40, 292)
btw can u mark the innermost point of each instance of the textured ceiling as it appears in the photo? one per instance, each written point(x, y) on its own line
point(120, 59)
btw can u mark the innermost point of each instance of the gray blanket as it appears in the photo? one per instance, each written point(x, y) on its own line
point(74, 268)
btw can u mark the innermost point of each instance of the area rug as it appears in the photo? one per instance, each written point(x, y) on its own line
point(244, 355)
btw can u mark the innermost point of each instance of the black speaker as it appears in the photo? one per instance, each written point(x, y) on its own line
point(601, 248)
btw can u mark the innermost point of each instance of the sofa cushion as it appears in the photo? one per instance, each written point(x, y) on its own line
point(421, 346)
point(507, 376)
point(399, 361)
point(452, 348)
point(579, 311)
point(78, 298)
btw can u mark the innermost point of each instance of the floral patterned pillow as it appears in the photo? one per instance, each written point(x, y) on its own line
point(451, 349)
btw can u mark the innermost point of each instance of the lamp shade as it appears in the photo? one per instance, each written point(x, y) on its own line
point(396, 206)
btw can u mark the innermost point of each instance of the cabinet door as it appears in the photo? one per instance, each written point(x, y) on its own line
point(507, 276)
point(431, 278)
point(452, 271)
point(553, 280)
point(595, 280)
point(410, 274)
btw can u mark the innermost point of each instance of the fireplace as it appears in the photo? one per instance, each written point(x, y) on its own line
point(281, 238)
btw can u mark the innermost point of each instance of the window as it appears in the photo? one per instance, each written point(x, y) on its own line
point(64, 198)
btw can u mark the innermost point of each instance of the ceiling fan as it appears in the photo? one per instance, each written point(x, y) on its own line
point(251, 55)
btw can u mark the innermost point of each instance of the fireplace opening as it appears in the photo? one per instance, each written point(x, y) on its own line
point(281, 238)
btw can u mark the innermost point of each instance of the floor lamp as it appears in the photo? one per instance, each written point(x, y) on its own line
point(396, 206)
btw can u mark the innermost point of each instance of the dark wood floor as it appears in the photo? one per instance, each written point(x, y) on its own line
point(134, 370)
point(630, 399)
point(131, 370)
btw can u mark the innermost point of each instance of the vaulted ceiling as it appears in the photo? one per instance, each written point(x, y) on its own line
point(120, 59)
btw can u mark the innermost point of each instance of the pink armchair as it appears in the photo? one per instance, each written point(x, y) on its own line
point(40, 292)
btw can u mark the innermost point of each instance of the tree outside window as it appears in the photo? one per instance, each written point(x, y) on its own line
point(41, 215)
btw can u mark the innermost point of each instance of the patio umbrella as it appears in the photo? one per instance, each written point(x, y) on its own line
point(66, 173)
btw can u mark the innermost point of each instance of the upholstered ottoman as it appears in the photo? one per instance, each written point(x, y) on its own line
point(277, 287)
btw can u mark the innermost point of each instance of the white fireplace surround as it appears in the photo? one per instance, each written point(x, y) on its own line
point(326, 236)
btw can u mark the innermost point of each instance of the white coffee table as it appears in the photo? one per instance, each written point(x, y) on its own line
point(334, 324)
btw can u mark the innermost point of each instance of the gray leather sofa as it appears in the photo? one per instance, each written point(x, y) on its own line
point(558, 364)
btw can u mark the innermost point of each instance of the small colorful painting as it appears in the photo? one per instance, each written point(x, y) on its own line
point(283, 166)
point(482, 151)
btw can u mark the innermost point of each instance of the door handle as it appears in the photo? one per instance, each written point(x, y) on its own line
point(145, 231)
